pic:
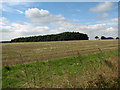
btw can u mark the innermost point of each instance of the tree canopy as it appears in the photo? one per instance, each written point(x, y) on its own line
point(117, 37)
point(65, 36)
point(103, 37)
point(96, 37)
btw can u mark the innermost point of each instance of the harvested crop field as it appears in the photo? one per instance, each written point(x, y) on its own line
point(32, 51)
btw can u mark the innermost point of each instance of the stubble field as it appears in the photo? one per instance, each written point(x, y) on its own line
point(32, 51)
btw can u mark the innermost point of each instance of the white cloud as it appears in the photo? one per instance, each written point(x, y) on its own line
point(6, 29)
point(10, 6)
point(109, 21)
point(3, 20)
point(24, 29)
point(102, 7)
point(21, 12)
point(6, 8)
point(91, 30)
point(104, 15)
point(114, 19)
point(110, 29)
point(36, 13)
point(43, 16)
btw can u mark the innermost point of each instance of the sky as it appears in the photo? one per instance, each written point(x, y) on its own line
point(23, 19)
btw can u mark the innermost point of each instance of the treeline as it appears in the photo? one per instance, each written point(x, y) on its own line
point(4, 41)
point(54, 37)
point(103, 37)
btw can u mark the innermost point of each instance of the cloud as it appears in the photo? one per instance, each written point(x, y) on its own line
point(6, 29)
point(91, 30)
point(36, 13)
point(6, 7)
point(60, 23)
point(11, 6)
point(43, 16)
point(3, 20)
point(109, 21)
point(102, 7)
point(114, 19)
point(24, 29)
point(21, 12)
point(104, 15)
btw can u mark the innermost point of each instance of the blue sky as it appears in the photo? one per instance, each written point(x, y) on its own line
point(92, 18)
point(77, 10)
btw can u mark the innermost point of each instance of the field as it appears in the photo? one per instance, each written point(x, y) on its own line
point(62, 64)
point(51, 50)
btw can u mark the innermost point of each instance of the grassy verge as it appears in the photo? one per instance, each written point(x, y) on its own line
point(98, 70)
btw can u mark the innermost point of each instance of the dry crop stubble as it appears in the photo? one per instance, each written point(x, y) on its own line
point(52, 50)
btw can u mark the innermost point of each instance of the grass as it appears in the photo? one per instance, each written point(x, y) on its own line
point(51, 50)
point(98, 70)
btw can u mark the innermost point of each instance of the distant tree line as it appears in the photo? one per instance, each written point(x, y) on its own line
point(65, 36)
point(4, 41)
point(103, 37)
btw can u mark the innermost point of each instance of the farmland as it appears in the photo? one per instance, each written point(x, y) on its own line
point(52, 50)
point(60, 64)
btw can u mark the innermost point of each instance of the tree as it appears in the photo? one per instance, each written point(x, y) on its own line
point(103, 37)
point(109, 38)
point(117, 37)
point(96, 37)
point(65, 36)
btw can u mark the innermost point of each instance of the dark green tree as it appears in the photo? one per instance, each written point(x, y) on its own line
point(109, 38)
point(117, 37)
point(103, 37)
point(96, 37)
point(65, 36)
